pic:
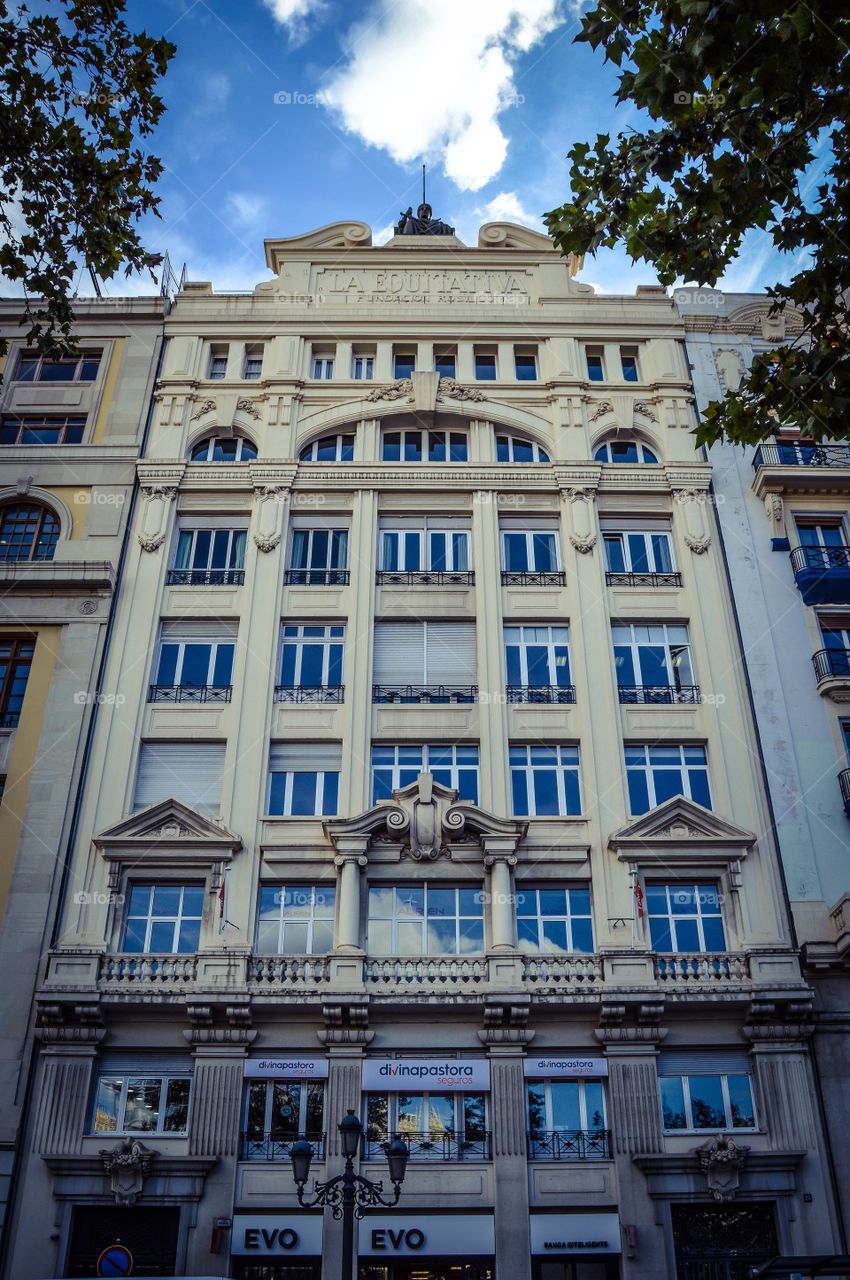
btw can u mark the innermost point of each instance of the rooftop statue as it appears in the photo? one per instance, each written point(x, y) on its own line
point(424, 224)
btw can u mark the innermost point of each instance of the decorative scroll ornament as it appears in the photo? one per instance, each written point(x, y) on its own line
point(447, 388)
point(247, 406)
point(266, 542)
point(128, 1164)
point(157, 498)
point(696, 534)
point(454, 390)
point(646, 410)
point(601, 409)
point(269, 497)
point(582, 536)
point(722, 1161)
point(206, 406)
point(395, 391)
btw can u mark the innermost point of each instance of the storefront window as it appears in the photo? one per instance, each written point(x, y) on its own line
point(141, 1104)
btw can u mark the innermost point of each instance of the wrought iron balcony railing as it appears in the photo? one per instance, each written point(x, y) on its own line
point(831, 662)
point(643, 579)
point(822, 574)
point(205, 577)
point(430, 693)
point(527, 578)
point(316, 577)
point(803, 558)
point(190, 693)
point(431, 1146)
point(424, 578)
point(569, 1144)
point(653, 693)
point(309, 693)
point(541, 693)
point(274, 1146)
point(844, 784)
point(801, 455)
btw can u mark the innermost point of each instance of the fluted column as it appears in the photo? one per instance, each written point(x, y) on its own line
point(510, 1165)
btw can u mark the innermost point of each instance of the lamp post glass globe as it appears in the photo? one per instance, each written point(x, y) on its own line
point(350, 1132)
point(397, 1153)
point(301, 1153)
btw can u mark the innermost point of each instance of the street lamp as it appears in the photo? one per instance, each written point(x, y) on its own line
point(348, 1194)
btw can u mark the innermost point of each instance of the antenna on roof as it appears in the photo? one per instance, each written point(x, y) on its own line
point(423, 184)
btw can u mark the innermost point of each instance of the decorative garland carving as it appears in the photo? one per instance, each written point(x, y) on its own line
point(394, 391)
point(206, 406)
point(247, 406)
point(455, 391)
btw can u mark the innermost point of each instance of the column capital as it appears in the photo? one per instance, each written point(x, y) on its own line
point(342, 856)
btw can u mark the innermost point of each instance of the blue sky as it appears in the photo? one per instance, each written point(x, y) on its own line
point(283, 115)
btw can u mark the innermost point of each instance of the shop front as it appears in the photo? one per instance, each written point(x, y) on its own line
point(575, 1246)
point(427, 1247)
point(270, 1246)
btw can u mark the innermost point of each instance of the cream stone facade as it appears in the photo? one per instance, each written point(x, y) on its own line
point(434, 766)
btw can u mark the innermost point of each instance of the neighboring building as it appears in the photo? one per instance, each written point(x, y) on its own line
point(70, 434)
point(784, 513)
point(434, 795)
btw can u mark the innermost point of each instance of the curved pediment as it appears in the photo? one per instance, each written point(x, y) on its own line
point(333, 235)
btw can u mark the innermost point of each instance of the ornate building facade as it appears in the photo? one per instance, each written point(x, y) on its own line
point(432, 794)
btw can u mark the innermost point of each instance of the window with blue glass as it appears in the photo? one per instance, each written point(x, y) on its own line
point(414, 550)
point(208, 554)
point(685, 917)
point(525, 364)
point(815, 533)
point(595, 364)
point(545, 781)
point(530, 551)
point(445, 361)
point(638, 551)
point(652, 656)
point(425, 920)
point(485, 365)
point(319, 549)
point(707, 1101)
point(224, 449)
point(164, 918)
point(419, 446)
point(338, 448)
point(620, 451)
point(195, 662)
point(629, 364)
point(659, 772)
point(452, 766)
point(404, 363)
point(537, 656)
point(304, 779)
point(554, 920)
point(517, 449)
point(311, 656)
point(295, 919)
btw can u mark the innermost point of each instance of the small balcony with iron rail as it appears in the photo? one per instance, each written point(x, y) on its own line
point(832, 672)
point(800, 467)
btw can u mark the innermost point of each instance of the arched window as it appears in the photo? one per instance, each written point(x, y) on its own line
point(224, 449)
point(28, 531)
point(517, 449)
point(624, 451)
point(338, 448)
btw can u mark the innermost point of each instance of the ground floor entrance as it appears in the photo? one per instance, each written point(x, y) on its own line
point(429, 1269)
point(575, 1269)
point(304, 1269)
point(722, 1242)
point(149, 1236)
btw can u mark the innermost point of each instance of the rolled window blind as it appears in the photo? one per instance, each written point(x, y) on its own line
point(187, 771)
point(424, 653)
point(704, 1062)
point(199, 629)
point(305, 757)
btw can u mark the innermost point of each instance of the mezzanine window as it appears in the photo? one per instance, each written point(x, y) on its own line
point(705, 1095)
point(42, 428)
point(217, 369)
point(485, 364)
point(141, 1102)
point(362, 367)
point(595, 364)
point(422, 446)
point(15, 662)
point(304, 779)
point(278, 1113)
point(253, 366)
point(545, 781)
point(516, 449)
point(554, 920)
point(452, 766)
point(653, 664)
point(435, 1126)
point(404, 364)
point(209, 557)
point(425, 920)
point(318, 557)
point(296, 919)
point(164, 917)
point(338, 448)
point(656, 773)
point(28, 531)
point(323, 366)
point(311, 661)
point(629, 364)
point(445, 361)
point(34, 367)
point(685, 917)
point(525, 364)
point(625, 451)
point(224, 449)
point(566, 1120)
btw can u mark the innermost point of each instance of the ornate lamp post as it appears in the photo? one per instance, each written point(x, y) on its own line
point(349, 1194)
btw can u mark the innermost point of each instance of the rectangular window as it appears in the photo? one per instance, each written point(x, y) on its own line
point(323, 367)
point(42, 428)
point(653, 662)
point(698, 1102)
point(685, 917)
point(537, 657)
point(417, 550)
point(453, 766)
point(545, 781)
point(187, 771)
point(253, 367)
point(595, 365)
point(658, 773)
point(218, 363)
point(554, 920)
point(15, 661)
point(827, 533)
point(141, 1102)
point(362, 367)
point(417, 446)
point(319, 555)
point(296, 919)
point(525, 364)
point(434, 1126)
point(485, 365)
point(639, 551)
point(566, 1119)
point(404, 363)
point(311, 656)
point(189, 659)
point(212, 557)
point(411, 657)
point(164, 918)
point(629, 363)
point(82, 367)
point(530, 551)
point(304, 779)
point(278, 1113)
point(425, 920)
point(445, 361)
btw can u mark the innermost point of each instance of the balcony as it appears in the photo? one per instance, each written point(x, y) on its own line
point(292, 973)
point(309, 693)
point(427, 693)
point(316, 577)
point(430, 1146)
point(423, 976)
point(513, 578)
point(424, 578)
point(541, 694)
point(643, 579)
point(832, 671)
point(802, 455)
point(273, 1146)
point(800, 468)
point(205, 577)
point(844, 784)
point(647, 694)
point(131, 970)
point(569, 1144)
point(553, 975)
point(701, 968)
point(219, 693)
point(822, 574)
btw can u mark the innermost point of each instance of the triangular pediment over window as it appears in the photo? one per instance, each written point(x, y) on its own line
point(680, 828)
point(171, 831)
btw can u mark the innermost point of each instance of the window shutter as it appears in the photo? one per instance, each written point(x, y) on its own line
point(635, 524)
point(450, 653)
point(399, 653)
point(199, 629)
point(187, 771)
point(304, 757)
point(704, 1062)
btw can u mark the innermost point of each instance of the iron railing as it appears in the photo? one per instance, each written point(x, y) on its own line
point(272, 1146)
point(803, 558)
point(513, 578)
point(190, 692)
point(429, 693)
point(801, 455)
point(309, 693)
point(316, 577)
point(431, 1146)
point(653, 693)
point(424, 578)
point(844, 784)
point(831, 662)
point(541, 693)
point(569, 1144)
point(205, 577)
point(643, 579)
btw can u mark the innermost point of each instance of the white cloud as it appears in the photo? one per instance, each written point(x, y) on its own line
point(248, 210)
point(431, 77)
point(384, 234)
point(294, 15)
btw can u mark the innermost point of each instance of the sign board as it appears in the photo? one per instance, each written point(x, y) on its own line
point(575, 1233)
point(462, 1235)
point(115, 1261)
point(564, 1066)
point(426, 1075)
point(274, 1235)
point(286, 1066)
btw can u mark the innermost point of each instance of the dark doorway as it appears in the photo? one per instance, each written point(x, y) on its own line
point(429, 1269)
point(722, 1242)
point(149, 1234)
point(307, 1269)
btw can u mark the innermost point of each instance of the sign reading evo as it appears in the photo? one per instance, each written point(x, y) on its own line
point(286, 1066)
point(423, 1075)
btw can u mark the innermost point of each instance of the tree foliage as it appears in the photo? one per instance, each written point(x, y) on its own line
point(77, 94)
point(747, 102)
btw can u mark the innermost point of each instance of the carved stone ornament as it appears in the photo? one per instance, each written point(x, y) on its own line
point(157, 497)
point(645, 409)
point(447, 388)
point(699, 546)
point(601, 409)
point(247, 406)
point(128, 1164)
point(206, 406)
point(266, 542)
point(455, 391)
point(394, 391)
point(722, 1161)
point(582, 535)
